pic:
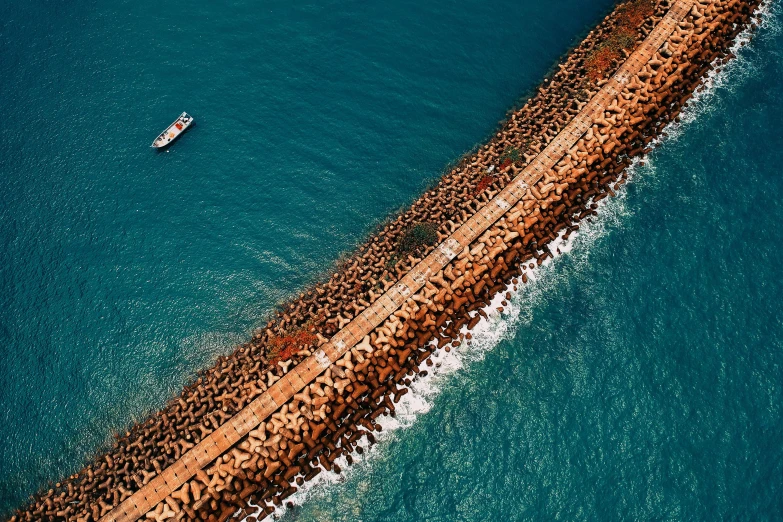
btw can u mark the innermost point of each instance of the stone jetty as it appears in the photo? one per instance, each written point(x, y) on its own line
point(310, 386)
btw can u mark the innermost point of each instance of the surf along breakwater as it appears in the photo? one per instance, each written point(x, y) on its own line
point(309, 387)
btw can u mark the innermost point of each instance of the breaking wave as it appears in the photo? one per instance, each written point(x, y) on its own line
point(505, 317)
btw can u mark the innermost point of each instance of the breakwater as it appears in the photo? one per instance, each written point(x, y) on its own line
point(404, 339)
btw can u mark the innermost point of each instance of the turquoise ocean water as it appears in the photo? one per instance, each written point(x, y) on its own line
point(639, 377)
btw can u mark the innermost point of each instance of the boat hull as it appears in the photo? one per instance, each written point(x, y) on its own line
point(173, 131)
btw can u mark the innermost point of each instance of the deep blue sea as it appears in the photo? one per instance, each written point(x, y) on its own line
point(639, 377)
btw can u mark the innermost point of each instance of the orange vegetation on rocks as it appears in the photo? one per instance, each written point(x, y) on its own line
point(630, 17)
point(600, 61)
point(285, 347)
point(485, 182)
point(633, 14)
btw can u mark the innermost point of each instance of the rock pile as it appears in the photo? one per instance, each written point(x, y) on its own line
point(337, 413)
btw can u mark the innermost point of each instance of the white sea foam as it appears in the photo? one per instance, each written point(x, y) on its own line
point(499, 326)
point(729, 75)
point(496, 327)
point(487, 334)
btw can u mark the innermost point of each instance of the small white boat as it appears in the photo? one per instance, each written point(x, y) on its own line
point(173, 131)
